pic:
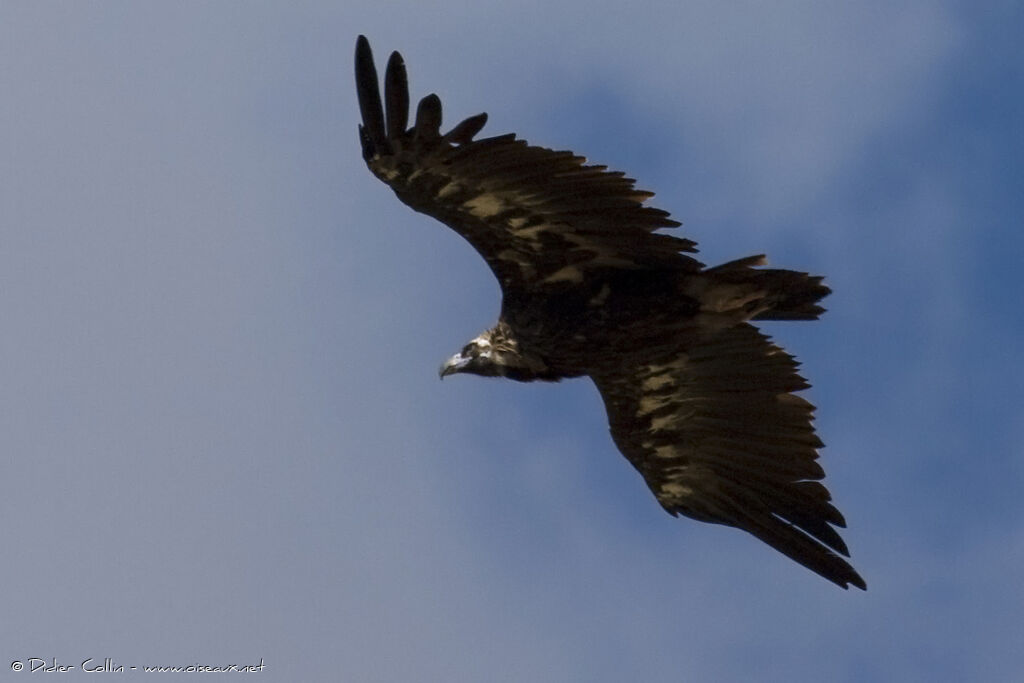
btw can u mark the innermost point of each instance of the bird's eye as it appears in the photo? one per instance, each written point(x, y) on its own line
point(467, 350)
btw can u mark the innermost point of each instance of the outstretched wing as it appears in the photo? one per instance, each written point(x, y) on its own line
point(718, 435)
point(537, 216)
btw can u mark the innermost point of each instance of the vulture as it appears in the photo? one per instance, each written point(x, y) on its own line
point(699, 400)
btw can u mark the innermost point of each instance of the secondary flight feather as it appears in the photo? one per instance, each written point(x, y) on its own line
point(698, 400)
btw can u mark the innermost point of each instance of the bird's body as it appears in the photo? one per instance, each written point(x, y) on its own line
point(698, 400)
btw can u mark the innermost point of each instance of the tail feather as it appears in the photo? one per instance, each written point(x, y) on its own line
point(787, 294)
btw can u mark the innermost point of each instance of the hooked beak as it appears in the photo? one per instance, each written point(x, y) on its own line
point(454, 364)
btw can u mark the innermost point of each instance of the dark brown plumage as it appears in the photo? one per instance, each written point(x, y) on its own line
point(700, 402)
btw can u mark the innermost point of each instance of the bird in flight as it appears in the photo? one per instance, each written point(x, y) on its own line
point(699, 400)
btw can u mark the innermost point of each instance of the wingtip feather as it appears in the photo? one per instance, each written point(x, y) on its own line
point(801, 548)
point(368, 92)
point(396, 96)
point(463, 133)
point(428, 118)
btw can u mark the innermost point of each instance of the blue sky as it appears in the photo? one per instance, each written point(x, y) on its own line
point(224, 436)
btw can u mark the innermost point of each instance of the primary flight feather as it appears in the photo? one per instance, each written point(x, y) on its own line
point(699, 401)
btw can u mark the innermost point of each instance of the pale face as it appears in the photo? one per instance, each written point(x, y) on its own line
point(476, 357)
point(492, 356)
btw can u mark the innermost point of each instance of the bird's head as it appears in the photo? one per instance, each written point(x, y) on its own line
point(495, 354)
